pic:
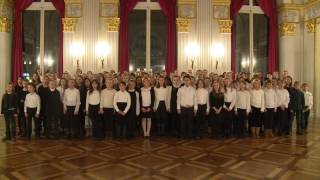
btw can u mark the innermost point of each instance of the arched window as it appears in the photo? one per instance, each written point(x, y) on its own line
point(251, 38)
point(41, 26)
point(147, 37)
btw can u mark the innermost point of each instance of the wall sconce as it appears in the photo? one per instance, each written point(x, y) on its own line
point(102, 52)
point(218, 53)
point(76, 51)
point(192, 52)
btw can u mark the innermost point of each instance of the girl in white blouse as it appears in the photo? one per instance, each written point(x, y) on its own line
point(161, 105)
point(283, 99)
point(271, 108)
point(242, 109)
point(203, 108)
point(257, 107)
point(92, 109)
point(121, 103)
point(228, 107)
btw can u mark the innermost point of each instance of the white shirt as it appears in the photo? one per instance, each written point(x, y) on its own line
point(308, 99)
point(230, 96)
point(146, 97)
point(187, 97)
point(32, 101)
point(122, 97)
point(257, 99)
point(107, 96)
point(270, 98)
point(92, 99)
point(243, 101)
point(72, 98)
point(61, 91)
point(282, 97)
point(203, 97)
point(161, 94)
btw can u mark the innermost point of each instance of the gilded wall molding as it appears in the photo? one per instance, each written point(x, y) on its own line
point(73, 12)
point(183, 25)
point(288, 29)
point(112, 24)
point(311, 26)
point(5, 24)
point(225, 26)
point(69, 24)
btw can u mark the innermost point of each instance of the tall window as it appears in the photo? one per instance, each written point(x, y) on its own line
point(147, 37)
point(41, 28)
point(252, 38)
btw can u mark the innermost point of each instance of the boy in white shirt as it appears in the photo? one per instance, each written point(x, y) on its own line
point(308, 104)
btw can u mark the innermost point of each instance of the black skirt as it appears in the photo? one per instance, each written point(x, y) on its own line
point(268, 118)
point(147, 114)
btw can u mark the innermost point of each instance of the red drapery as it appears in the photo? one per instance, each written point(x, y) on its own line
point(17, 59)
point(234, 9)
point(270, 10)
point(126, 6)
point(169, 9)
point(60, 6)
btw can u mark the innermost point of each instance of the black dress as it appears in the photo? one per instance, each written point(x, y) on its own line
point(216, 121)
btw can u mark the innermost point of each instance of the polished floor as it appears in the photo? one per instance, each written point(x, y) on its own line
point(294, 158)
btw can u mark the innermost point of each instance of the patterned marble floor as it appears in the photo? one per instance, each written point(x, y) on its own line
point(292, 158)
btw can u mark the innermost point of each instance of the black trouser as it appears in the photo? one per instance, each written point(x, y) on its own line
point(72, 121)
point(97, 125)
point(121, 122)
point(174, 122)
point(82, 120)
point(240, 122)
point(256, 117)
point(228, 118)
point(282, 118)
point(42, 121)
point(10, 124)
point(131, 123)
point(108, 118)
point(22, 122)
point(161, 118)
point(186, 119)
point(200, 120)
point(216, 124)
point(268, 118)
point(32, 116)
point(306, 115)
point(52, 126)
point(299, 120)
point(290, 118)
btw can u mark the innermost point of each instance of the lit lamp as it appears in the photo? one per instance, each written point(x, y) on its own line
point(76, 51)
point(102, 52)
point(218, 53)
point(192, 52)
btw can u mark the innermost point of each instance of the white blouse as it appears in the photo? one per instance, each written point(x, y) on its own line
point(257, 99)
point(122, 97)
point(92, 99)
point(243, 101)
point(270, 99)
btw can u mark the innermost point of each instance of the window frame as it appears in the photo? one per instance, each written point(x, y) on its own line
point(148, 6)
point(42, 7)
point(251, 10)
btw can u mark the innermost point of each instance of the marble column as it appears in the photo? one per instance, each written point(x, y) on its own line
point(5, 43)
point(316, 91)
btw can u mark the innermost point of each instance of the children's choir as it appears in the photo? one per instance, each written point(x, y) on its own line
point(127, 105)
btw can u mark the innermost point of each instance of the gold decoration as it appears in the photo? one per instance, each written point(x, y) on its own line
point(69, 24)
point(225, 25)
point(311, 26)
point(183, 24)
point(8, 3)
point(4, 24)
point(221, 2)
point(288, 29)
point(112, 24)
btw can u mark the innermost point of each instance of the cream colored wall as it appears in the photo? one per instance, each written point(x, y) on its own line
point(204, 31)
point(90, 30)
point(5, 58)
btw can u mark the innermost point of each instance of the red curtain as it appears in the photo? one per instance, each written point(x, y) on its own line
point(126, 6)
point(270, 10)
point(60, 6)
point(17, 59)
point(169, 9)
point(234, 9)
